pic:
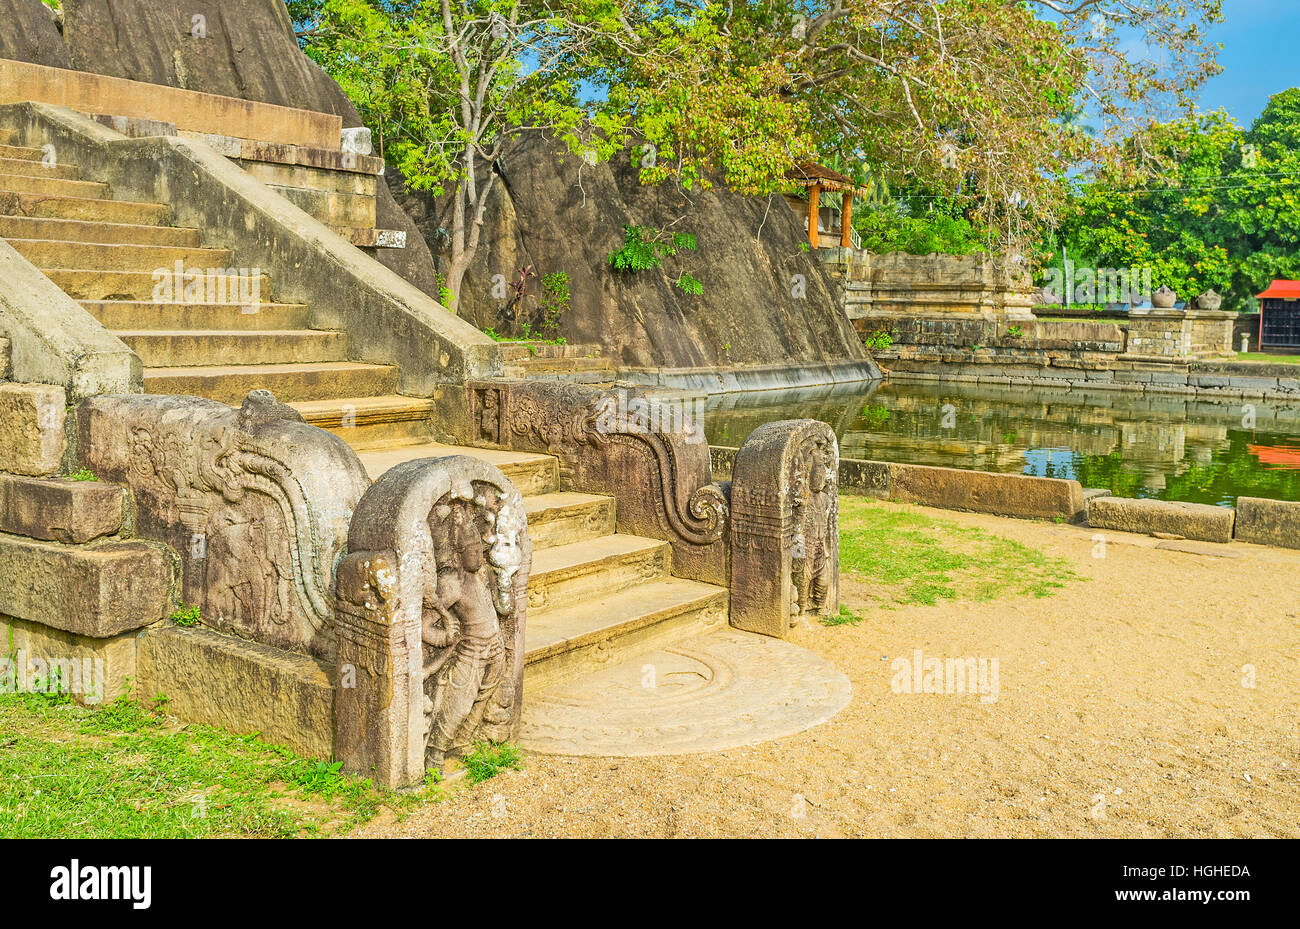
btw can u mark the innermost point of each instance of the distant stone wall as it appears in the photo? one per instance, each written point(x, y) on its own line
point(897, 285)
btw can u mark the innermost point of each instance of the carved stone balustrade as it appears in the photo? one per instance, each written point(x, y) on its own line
point(785, 548)
point(431, 610)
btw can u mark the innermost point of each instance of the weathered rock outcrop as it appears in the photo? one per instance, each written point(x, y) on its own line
point(556, 213)
point(247, 50)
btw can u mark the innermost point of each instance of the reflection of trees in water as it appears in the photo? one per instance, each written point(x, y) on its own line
point(1133, 445)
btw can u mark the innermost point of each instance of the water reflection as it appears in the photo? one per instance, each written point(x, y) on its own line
point(1173, 448)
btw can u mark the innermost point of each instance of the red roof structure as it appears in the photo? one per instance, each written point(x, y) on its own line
point(1282, 290)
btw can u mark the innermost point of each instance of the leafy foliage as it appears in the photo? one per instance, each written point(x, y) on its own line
point(1224, 214)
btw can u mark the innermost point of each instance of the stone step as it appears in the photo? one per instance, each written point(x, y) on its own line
point(48, 253)
point(531, 473)
point(563, 365)
point(287, 382)
point(52, 186)
point(372, 422)
point(564, 643)
point(74, 230)
point(578, 571)
point(198, 347)
point(84, 208)
point(21, 152)
point(147, 316)
point(91, 284)
point(38, 168)
point(565, 516)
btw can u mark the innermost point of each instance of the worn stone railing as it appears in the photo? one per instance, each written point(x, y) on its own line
point(647, 451)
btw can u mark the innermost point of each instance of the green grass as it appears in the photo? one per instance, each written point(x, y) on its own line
point(904, 557)
point(120, 771)
point(488, 760)
point(83, 474)
point(1264, 356)
point(845, 617)
point(187, 616)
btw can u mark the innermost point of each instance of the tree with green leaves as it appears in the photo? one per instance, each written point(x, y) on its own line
point(1224, 214)
point(971, 101)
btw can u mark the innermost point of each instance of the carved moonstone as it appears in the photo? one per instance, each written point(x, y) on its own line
point(784, 527)
point(431, 605)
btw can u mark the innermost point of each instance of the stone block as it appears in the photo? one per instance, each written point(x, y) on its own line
point(984, 492)
point(244, 687)
point(1190, 520)
point(1268, 522)
point(60, 510)
point(91, 670)
point(864, 478)
point(31, 428)
point(97, 592)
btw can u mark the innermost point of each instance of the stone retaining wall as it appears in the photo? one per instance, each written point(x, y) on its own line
point(1257, 520)
point(1003, 366)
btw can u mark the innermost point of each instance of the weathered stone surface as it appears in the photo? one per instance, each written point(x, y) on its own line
point(30, 34)
point(1268, 522)
point(52, 339)
point(92, 670)
point(730, 689)
point(985, 492)
point(97, 592)
point(1189, 520)
point(241, 686)
point(431, 612)
point(554, 213)
point(785, 527)
point(649, 453)
point(250, 53)
point(254, 500)
point(60, 510)
point(31, 428)
point(868, 478)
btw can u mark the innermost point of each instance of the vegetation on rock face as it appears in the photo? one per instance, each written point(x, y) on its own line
point(1222, 215)
point(968, 106)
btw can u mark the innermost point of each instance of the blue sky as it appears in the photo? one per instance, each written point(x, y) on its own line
point(1260, 56)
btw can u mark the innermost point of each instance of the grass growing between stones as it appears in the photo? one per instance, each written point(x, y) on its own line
point(488, 760)
point(902, 557)
point(121, 771)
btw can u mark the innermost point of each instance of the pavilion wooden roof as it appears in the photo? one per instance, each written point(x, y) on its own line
point(811, 174)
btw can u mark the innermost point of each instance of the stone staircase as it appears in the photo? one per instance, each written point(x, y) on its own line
point(595, 595)
point(579, 363)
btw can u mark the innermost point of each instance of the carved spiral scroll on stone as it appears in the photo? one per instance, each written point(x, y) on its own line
point(646, 449)
point(431, 611)
point(784, 528)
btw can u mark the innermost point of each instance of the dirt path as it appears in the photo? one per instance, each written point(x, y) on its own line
point(1122, 710)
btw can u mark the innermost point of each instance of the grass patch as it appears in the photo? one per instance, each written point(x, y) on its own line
point(1264, 356)
point(122, 771)
point(845, 617)
point(488, 760)
point(904, 557)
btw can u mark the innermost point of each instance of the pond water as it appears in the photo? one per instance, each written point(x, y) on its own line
point(1171, 448)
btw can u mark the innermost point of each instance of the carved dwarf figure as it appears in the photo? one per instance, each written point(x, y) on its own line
point(816, 517)
point(466, 687)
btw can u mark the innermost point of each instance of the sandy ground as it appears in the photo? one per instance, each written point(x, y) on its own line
point(1123, 709)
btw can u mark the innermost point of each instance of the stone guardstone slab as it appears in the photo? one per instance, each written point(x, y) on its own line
point(712, 692)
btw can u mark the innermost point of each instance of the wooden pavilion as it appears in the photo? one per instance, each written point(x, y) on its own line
point(817, 179)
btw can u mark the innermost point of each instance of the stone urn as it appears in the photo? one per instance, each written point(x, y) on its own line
point(1209, 301)
point(1163, 298)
